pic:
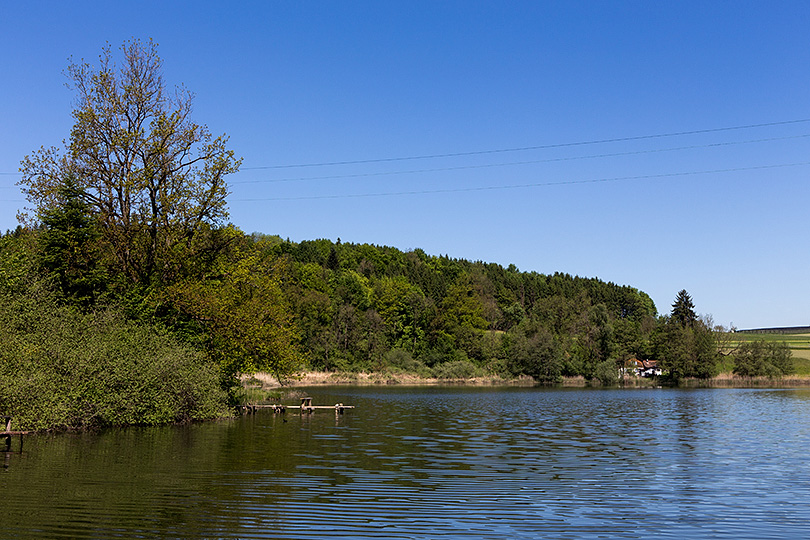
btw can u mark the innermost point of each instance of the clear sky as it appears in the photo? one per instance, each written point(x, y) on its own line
point(504, 87)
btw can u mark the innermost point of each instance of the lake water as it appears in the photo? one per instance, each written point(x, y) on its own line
point(428, 462)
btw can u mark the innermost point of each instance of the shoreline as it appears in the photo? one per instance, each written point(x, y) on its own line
point(320, 378)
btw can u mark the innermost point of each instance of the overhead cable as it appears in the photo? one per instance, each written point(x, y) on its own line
point(512, 163)
point(523, 186)
point(537, 147)
point(518, 149)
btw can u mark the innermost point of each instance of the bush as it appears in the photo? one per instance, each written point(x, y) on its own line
point(403, 361)
point(761, 359)
point(400, 359)
point(60, 369)
point(607, 373)
point(458, 369)
point(500, 368)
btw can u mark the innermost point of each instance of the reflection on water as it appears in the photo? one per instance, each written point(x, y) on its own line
point(436, 463)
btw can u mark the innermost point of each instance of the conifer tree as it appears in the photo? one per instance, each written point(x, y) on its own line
point(683, 310)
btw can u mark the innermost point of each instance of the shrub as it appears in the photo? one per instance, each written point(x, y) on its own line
point(402, 360)
point(458, 369)
point(607, 373)
point(60, 369)
point(758, 359)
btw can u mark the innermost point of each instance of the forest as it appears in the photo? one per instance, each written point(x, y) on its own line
point(87, 345)
point(129, 298)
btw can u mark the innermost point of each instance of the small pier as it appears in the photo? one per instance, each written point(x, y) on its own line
point(7, 434)
point(306, 407)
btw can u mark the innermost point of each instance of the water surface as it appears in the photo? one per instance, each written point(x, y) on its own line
point(431, 462)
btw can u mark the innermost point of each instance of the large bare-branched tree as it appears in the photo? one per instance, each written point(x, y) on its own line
point(153, 178)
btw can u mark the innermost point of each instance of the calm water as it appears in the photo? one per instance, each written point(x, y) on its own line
point(436, 463)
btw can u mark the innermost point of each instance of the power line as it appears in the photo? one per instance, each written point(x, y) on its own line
point(515, 186)
point(523, 186)
point(512, 163)
point(537, 147)
point(516, 149)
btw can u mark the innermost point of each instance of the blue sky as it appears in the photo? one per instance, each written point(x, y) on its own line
point(721, 213)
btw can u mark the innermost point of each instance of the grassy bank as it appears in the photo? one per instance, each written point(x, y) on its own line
point(728, 380)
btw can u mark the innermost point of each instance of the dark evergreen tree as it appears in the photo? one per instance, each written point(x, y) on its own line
point(68, 245)
point(332, 262)
point(683, 310)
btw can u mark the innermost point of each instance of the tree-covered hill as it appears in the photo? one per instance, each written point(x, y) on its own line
point(360, 306)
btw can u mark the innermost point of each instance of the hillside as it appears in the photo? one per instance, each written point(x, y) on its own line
point(366, 307)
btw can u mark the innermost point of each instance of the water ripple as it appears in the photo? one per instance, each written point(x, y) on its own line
point(437, 463)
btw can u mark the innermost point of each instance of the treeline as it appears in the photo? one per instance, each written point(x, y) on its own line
point(365, 307)
point(360, 307)
point(262, 303)
point(86, 345)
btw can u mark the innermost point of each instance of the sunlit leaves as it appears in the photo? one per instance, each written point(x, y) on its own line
point(150, 174)
point(248, 323)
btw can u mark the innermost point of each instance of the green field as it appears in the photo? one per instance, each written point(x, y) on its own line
point(799, 346)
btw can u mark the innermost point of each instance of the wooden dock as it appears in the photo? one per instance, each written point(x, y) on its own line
point(7, 434)
point(306, 407)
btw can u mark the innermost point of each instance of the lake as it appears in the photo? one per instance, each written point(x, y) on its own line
point(435, 462)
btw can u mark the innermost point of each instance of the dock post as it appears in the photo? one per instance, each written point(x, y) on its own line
point(7, 430)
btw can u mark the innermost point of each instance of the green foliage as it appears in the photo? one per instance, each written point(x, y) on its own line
point(18, 261)
point(261, 303)
point(686, 351)
point(683, 310)
point(353, 289)
point(401, 360)
point(760, 358)
point(152, 176)
point(130, 222)
point(246, 319)
point(376, 299)
point(607, 373)
point(532, 350)
point(462, 308)
point(63, 369)
point(69, 247)
point(457, 369)
point(684, 345)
